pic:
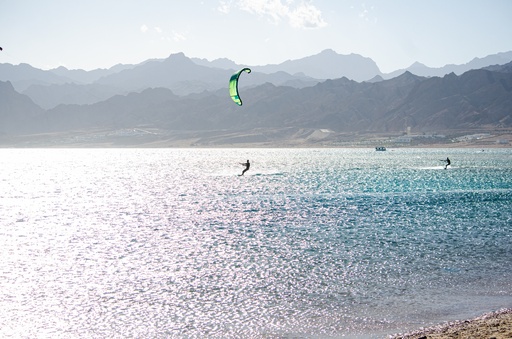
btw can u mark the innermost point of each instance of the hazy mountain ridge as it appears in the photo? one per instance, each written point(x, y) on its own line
point(23, 76)
point(180, 74)
point(177, 73)
point(328, 65)
point(477, 63)
point(81, 76)
point(476, 99)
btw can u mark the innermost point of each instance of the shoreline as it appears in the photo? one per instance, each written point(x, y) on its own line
point(107, 145)
point(497, 325)
point(284, 137)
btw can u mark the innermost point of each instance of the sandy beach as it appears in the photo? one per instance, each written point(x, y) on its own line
point(497, 325)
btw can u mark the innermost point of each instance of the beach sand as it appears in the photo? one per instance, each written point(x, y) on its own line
point(497, 325)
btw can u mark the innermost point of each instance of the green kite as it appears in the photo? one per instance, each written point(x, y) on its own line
point(233, 86)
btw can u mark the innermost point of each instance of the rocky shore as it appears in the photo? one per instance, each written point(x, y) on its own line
point(495, 325)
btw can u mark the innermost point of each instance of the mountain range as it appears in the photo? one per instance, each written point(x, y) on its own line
point(181, 97)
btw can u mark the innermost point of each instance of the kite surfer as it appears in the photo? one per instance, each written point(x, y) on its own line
point(247, 165)
point(447, 162)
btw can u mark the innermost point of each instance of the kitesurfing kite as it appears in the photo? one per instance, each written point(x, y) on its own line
point(1, 49)
point(233, 86)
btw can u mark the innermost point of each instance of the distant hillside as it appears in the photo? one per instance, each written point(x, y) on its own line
point(50, 96)
point(477, 63)
point(328, 65)
point(477, 98)
point(176, 72)
point(80, 76)
point(18, 114)
point(23, 76)
point(185, 75)
point(223, 63)
point(132, 110)
point(325, 65)
point(181, 75)
point(506, 68)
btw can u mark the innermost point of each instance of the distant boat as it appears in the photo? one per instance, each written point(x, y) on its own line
point(380, 148)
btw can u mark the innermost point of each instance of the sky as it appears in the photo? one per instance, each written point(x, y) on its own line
point(90, 34)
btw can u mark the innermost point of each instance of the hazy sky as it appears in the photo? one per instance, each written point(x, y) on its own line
point(93, 34)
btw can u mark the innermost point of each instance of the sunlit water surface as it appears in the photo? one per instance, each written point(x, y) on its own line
point(310, 243)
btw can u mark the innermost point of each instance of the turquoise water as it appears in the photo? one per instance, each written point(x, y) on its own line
point(310, 243)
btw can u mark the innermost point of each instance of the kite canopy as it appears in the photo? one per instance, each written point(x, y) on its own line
point(1, 49)
point(233, 86)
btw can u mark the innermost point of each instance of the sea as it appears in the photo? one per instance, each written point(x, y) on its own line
point(309, 243)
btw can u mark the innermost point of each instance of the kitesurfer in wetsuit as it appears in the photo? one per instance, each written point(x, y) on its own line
point(247, 165)
point(447, 163)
